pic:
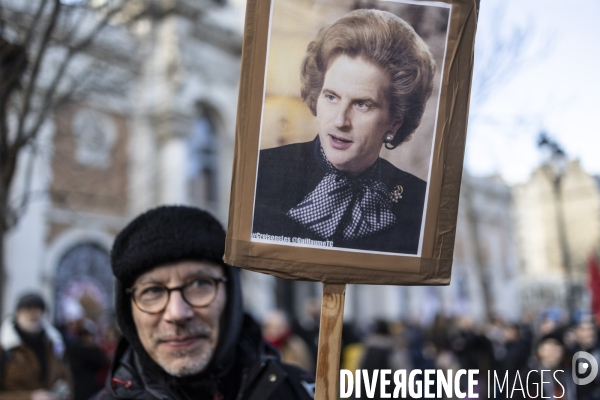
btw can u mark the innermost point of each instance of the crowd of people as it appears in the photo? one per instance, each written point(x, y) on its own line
point(514, 354)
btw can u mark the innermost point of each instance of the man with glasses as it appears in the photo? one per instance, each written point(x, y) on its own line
point(179, 308)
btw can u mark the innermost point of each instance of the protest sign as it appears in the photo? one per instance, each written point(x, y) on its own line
point(350, 139)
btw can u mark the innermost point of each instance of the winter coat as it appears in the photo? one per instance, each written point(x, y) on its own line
point(257, 371)
point(86, 362)
point(20, 368)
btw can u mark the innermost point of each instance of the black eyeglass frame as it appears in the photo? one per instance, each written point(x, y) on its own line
point(216, 281)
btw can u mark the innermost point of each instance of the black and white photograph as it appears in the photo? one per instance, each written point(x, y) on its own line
point(350, 105)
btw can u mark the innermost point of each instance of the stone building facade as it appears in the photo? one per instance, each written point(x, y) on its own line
point(558, 214)
point(105, 160)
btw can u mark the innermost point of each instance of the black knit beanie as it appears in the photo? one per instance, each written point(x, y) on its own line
point(31, 300)
point(169, 234)
point(164, 235)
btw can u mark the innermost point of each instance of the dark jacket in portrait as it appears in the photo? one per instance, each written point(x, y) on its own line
point(287, 174)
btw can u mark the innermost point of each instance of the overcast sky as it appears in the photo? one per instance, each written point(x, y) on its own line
point(556, 89)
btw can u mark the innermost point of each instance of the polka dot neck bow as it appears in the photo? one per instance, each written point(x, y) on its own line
point(346, 207)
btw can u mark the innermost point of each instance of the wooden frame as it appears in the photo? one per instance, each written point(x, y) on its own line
point(450, 102)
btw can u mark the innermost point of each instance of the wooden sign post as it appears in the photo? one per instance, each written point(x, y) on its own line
point(330, 341)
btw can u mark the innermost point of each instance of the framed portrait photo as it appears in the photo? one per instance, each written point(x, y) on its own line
point(350, 139)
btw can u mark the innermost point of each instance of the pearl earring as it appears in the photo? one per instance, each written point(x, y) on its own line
point(388, 138)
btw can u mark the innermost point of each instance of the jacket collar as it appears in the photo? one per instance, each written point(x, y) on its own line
point(125, 380)
point(10, 339)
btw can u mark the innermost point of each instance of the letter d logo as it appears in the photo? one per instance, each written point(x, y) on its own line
point(584, 367)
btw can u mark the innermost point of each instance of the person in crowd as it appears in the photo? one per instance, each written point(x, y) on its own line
point(179, 308)
point(277, 330)
point(550, 357)
point(517, 347)
point(32, 364)
point(87, 361)
point(378, 352)
point(512, 351)
point(366, 78)
point(108, 344)
point(352, 348)
point(307, 324)
point(473, 350)
point(110, 338)
point(586, 339)
point(438, 332)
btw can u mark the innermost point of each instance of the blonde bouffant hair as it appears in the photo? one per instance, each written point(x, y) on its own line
point(385, 40)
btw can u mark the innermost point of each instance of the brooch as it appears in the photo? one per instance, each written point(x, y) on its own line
point(396, 194)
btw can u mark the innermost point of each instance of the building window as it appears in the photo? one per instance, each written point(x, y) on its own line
point(203, 163)
point(84, 285)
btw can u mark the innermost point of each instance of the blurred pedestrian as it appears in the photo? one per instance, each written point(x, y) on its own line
point(277, 330)
point(512, 356)
point(87, 361)
point(110, 338)
point(307, 325)
point(473, 350)
point(352, 347)
point(517, 349)
point(108, 345)
point(550, 360)
point(32, 366)
point(379, 347)
point(586, 339)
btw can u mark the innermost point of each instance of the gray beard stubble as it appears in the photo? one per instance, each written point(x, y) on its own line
point(194, 366)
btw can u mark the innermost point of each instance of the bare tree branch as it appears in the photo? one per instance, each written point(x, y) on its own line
point(502, 49)
point(94, 33)
point(26, 104)
point(34, 23)
point(45, 47)
point(48, 102)
point(1, 20)
point(52, 103)
point(20, 209)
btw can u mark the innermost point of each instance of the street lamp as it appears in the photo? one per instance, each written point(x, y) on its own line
point(558, 162)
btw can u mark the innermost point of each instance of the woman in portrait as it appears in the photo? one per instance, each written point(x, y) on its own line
point(366, 78)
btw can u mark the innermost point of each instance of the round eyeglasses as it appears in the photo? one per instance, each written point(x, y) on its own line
point(153, 298)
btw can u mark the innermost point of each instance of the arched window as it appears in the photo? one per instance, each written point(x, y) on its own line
point(83, 284)
point(202, 166)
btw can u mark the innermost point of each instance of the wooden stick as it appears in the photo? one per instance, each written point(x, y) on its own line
point(330, 341)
